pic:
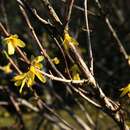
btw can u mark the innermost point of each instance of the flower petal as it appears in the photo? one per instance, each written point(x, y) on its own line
point(11, 48)
point(38, 65)
point(14, 36)
point(19, 43)
point(19, 77)
point(125, 90)
point(18, 83)
point(23, 83)
point(31, 77)
point(40, 77)
point(38, 59)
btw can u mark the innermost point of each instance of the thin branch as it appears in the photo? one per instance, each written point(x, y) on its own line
point(87, 98)
point(18, 111)
point(88, 37)
point(2, 29)
point(64, 56)
point(120, 45)
point(5, 15)
point(83, 109)
point(81, 122)
point(4, 103)
point(54, 120)
point(27, 104)
point(81, 9)
point(42, 104)
point(22, 55)
point(39, 18)
point(83, 81)
point(68, 13)
point(52, 12)
point(114, 34)
point(12, 63)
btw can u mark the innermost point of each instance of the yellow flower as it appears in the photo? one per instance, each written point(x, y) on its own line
point(6, 69)
point(76, 76)
point(12, 42)
point(28, 78)
point(67, 39)
point(75, 72)
point(23, 78)
point(35, 64)
point(56, 60)
point(125, 90)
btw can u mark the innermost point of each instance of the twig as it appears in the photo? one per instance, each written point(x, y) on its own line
point(2, 29)
point(23, 55)
point(18, 111)
point(5, 15)
point(12, 62)
point(54, 120)
point(52, 12)
point(81, 122)
point(4, 103)
point(84, 68)
point(114, 34)
point(120, 45)
point(42, 105)
point(64, 56)
point(77, 119)
point(27, 104)
point(81, 9)
point(39, 18)
point(83, 81)
point(83, 109)
point(88, 37)
point(68, 13)
point(97, 105)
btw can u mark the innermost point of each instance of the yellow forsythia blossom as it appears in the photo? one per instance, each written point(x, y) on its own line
point(56, 60)
point(67, 39)
point(6, 69)
point(12, 42)
point(125, 90)
point(76, 76)
point(75, 72)
point(28, 78)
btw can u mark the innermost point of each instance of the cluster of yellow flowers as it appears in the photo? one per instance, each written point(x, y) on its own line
point(28, 78)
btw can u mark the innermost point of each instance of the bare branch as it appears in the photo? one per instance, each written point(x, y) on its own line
point(88, 37)
point(83, 81)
